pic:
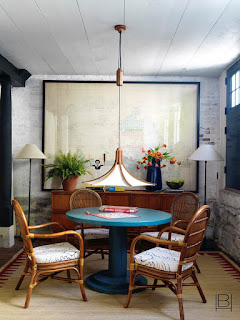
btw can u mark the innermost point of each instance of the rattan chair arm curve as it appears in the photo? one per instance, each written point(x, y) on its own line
point(180, 221)
point(39, 226)
point(157, 241)
point(154, 240)
point(171, 229)
point(54, 235)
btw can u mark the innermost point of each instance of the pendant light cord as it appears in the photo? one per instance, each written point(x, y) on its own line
point(119, 116)
point(119, 90)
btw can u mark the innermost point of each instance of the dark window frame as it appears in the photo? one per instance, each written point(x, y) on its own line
point(230, 162)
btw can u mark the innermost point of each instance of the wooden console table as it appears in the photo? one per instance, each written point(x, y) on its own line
point(142, 199)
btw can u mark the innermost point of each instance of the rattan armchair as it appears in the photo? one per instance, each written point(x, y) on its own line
point(94, 237)
point(170, 266)
point(48, 260)
point(183, 208)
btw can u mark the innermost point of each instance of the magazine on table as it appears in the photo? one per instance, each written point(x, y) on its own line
point(107, 208)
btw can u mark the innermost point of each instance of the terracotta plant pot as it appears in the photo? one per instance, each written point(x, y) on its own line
point(70, 185)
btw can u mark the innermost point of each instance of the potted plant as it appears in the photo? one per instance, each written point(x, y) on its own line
point(68, 167)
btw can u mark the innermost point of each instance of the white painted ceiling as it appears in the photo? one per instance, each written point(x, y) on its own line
point(163, 37)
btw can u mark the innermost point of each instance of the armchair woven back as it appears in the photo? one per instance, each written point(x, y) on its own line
point(195, 233)
point(184, 207)
point(23, 226)
point(84, 198)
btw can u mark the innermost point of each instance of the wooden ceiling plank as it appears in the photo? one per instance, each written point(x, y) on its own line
point(221, 47)
point(198, 20)
point(35, 30)
point(68, 30)
point(99, 19)
point(16, 50)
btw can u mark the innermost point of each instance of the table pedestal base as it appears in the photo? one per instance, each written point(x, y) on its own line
point(105, 283)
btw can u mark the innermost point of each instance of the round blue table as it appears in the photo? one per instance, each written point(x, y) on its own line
point(115, 280)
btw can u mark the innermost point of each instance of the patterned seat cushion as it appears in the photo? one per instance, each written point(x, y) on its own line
point(161, 259)
point(55, 252)
point(164, 236)
point(95, 233)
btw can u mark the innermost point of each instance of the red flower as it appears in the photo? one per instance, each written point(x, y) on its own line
point(138, 167)
point(162, 166)
point(179, 162)
point(149, 164)
point(149, 151)
point(164, 145)
point(145, 167)
point(156, 165)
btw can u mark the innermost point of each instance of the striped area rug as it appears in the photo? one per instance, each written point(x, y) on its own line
point(219, 278)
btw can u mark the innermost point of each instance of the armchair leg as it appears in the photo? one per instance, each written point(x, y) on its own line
point(102, 253)
point(22, 275)
point(31, 286)
point(130, 290)
point(197, 267)
point(69, 276)
point(194, 277)
point(179, 296)
point(154, 283)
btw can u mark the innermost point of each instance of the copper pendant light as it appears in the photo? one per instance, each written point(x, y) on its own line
point(118, 175)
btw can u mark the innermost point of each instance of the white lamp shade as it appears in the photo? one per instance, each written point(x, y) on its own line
point(206, 152)
point(30, 151)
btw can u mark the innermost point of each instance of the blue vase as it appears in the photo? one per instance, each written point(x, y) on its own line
point(154, 175)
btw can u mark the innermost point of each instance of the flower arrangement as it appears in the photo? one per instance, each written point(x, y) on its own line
point(155, 157)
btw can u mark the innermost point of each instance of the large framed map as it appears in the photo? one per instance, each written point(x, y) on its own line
point(84, 116)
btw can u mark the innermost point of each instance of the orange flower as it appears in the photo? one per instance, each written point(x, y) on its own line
point(143, 150)
point(164, 146)
point(173, 160)
point(149, 163)
point(139, 162)
point(156, 165)
point(162, 166)
point(138, 167)
point(145, 158)
point(179, 162)
point(144, 161)
point(145, 167)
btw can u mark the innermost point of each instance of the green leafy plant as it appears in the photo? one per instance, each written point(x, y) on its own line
point(66, 166)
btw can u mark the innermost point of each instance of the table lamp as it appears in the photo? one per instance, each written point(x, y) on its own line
point(31, 152)
point(206, 152)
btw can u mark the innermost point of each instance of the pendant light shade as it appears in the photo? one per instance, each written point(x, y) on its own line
point(118, 175)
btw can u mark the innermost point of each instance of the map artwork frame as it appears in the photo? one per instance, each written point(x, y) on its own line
point(84, 116)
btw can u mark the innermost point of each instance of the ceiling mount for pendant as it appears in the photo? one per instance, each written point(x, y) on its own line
point(119, 74)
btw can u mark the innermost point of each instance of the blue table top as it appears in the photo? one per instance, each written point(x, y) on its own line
point(146, 217)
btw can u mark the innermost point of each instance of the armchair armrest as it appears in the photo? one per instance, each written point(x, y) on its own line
point(39, 226)
point(171, 229)
point(154, 240)
point(60, 234)
point(180, 221)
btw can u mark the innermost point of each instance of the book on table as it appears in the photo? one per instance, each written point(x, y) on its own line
point(108, 208)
